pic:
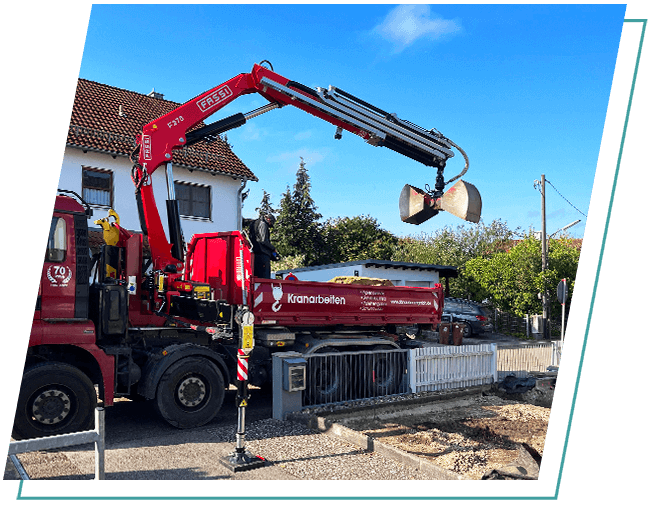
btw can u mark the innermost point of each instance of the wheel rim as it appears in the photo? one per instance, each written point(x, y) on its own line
point(384, 372)
point(51, 406)
point(325, 381)
point(191, 392)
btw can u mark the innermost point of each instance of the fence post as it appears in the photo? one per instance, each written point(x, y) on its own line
point(412, 370)
point(99, 444)
point(495, 368)
point(527, 326)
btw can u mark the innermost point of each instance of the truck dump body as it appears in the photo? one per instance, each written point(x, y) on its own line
point(302, 303)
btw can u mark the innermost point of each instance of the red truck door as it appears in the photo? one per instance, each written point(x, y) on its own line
point(58, 280)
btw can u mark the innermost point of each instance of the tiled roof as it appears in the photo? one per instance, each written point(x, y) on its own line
point(108, 119)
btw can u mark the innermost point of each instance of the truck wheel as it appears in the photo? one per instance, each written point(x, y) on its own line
point(327, 377)
point(55, 398)
point(190, 393)
point(386, 371)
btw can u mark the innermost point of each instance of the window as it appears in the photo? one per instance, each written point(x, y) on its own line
point(452, 306)
point(56, 242)
point(193, 200)
point(97, 186)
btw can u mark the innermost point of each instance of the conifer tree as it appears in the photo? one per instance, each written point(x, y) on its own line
point(265, 207)
point(297, 230)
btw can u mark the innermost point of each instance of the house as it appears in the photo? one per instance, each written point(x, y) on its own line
point(209, 178)
point(399, 273)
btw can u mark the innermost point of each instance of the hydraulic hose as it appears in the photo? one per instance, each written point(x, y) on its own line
point(466, 163)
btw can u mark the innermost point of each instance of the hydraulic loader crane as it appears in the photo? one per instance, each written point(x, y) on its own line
point(345, 111)
point(179, 332)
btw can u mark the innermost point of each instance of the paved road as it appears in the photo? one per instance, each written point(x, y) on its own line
point(135, 431)
point(140, 446)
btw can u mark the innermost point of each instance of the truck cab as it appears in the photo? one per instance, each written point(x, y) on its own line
point(63, 362)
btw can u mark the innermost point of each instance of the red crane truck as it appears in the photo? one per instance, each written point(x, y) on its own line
point(168, 328)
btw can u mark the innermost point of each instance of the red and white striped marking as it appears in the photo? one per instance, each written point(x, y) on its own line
point(242, 365)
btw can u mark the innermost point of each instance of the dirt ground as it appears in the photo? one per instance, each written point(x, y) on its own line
point(468, 436)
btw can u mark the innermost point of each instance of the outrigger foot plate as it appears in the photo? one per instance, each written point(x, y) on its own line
point(241, 461)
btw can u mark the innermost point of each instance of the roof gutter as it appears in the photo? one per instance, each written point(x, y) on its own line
point(240, 202)
point(115, 154)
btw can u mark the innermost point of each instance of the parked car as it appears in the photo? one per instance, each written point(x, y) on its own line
point(474, 315)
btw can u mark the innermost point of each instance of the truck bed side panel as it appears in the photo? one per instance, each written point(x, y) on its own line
point(300, 303)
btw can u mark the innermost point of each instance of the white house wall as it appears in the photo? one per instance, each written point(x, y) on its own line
point(418, 278)
point(224, 191)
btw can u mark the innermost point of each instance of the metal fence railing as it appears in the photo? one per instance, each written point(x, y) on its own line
point(522, 359)
point(336, 377)
point(95, 436)
point(530, 325)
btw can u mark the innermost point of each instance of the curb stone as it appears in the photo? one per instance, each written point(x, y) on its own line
point(369, 444)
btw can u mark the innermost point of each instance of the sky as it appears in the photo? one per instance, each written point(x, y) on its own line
point(522, 89)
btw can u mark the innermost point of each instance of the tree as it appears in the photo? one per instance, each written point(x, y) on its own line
point(455, 247)
point(265, 207)
point(357, 238)
point(297, 230)
point(513, 279)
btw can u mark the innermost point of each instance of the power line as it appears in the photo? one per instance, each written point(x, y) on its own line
point(576, 208)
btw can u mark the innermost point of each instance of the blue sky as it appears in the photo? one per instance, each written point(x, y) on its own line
point(522, 89)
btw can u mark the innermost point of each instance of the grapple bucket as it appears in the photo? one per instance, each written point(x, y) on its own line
point(462, 200)
point(415, 205)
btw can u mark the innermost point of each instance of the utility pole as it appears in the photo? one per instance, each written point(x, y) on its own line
point(544, 254)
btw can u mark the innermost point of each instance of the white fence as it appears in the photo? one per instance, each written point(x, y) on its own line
point(437, 368)
point(448, 367)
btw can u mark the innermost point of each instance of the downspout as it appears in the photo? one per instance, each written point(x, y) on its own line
point(240, 203)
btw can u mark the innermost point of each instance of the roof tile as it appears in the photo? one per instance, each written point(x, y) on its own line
point(108, 119)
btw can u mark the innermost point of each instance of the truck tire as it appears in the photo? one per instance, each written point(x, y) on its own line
point(190, 393)
point(55, 398)
point(385, 371)
point(327, 378)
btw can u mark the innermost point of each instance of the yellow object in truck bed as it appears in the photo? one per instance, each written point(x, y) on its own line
point(364, 281)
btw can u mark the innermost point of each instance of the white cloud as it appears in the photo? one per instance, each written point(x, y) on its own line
point(303, 135)
point(251, 132)
point(407, 23)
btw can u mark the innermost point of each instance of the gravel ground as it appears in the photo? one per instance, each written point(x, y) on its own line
point(292, 451)
point(306, 454)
